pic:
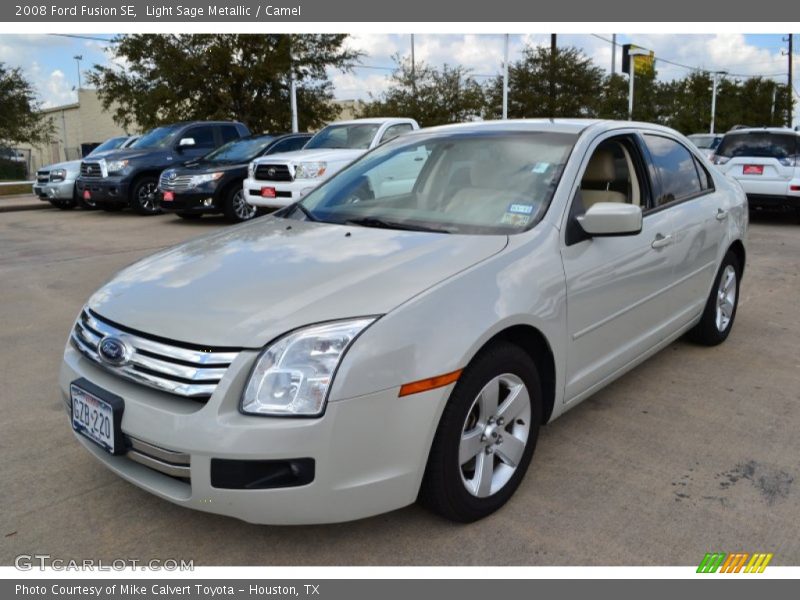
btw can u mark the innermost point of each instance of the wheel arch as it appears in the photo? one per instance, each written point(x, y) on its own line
point(737, 247)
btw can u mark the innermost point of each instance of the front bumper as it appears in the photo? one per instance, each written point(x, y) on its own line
point(369, 452)
point(191, 202)
point(62, 190)
point(112, 190)
point(286, 192)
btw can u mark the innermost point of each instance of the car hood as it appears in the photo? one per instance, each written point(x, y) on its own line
point(249, 284)
point(70, 165)
point(207, 166)
point(128, 154)
point(321, 154)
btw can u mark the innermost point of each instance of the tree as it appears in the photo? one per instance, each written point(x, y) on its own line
point(20, 118)
point(431, 96)
point(578, 83)
point(613, 98)
point(169, 78)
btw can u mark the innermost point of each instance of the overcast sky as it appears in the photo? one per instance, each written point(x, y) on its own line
point(48, 59)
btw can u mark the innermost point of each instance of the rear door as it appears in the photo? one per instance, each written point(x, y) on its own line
point(763, 161)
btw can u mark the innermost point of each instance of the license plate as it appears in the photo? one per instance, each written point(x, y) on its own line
point(753, 170)
point(97, 416)
point(87, 195)
point(268, 192)
point(169, 196)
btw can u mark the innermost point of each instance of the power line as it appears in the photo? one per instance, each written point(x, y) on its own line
point(84, 37)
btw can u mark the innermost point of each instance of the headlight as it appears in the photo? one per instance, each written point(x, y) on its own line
point(292, 376)
point(205, 178)
point(58, 175)
point(116, 166)
point(251, 170)
point(310, 170)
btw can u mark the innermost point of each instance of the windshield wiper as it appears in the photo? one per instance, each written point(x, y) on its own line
point(384, 224)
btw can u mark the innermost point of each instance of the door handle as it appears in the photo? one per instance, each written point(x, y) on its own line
point(661, 241)
point(722, 214)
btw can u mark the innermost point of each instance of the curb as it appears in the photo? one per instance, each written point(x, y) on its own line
point(20, 207)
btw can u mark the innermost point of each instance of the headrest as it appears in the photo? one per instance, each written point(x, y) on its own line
point(601, 167)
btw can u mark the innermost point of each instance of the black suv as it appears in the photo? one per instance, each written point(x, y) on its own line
point(130, 177)
point(213, 184)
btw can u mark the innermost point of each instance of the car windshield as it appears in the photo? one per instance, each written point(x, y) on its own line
point(762, 144)
point(160, 137)
point(108, 145)
point(354, 136)
point(241, 151)
point(705, 142)
point(475, 183)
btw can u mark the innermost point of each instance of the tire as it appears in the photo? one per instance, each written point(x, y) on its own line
point(236, 207)
point(189, 216)
point(65, 204)
point(144, 196)
point(720, 311)
point(453, 487)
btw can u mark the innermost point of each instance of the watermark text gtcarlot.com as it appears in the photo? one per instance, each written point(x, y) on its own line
point(30, 562)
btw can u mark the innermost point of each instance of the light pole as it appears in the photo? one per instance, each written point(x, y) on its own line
point(632, 53)
point(505, 79)
point(78, 58)
point(714, 97)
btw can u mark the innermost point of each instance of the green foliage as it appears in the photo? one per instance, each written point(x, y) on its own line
point(431, 96)
point(20, 119)
point(168, 78)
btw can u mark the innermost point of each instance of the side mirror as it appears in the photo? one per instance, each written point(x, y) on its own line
point(611, 218)
point(186, 143)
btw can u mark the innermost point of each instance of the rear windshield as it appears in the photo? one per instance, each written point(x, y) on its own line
point(761, 144)
point(705, 142)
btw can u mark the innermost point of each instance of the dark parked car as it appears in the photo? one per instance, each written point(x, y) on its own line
point(130, 177)
point(213, 184)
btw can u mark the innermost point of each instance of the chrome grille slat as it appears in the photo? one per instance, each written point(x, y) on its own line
point(181, 183)
point(159, 465)
point(280, 172)
point(91, 170)
point(174, 369)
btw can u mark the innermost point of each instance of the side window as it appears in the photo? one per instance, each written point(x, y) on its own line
point(610, 176)
point(676, 168)
point(706, 182)
point(288, 145)
point(203, 136)
point(229, 133)
point(396, 131)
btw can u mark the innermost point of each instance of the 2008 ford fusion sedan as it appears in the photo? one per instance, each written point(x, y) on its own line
point(405, 330)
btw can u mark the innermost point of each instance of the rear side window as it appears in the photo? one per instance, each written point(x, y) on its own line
point(288, 145)
point(396, 131)
point(203, 136)
point(676, 168)
point(763, 144)
point(229, 133)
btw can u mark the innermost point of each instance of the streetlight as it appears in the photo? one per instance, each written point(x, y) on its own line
point(714, 98)
point(633, 52)
point(505, 78)
point(78, 58)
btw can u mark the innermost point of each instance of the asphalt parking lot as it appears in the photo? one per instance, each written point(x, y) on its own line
point(695, 451)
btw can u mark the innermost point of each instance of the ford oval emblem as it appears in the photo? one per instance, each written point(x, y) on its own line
point(113, 351)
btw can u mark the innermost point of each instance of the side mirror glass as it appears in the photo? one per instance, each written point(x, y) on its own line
point(186, 142)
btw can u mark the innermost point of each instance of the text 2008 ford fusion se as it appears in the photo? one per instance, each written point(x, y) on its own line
point(405, 330)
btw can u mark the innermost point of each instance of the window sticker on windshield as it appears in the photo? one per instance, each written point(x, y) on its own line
point(520, 209)
point(540, 167)
point(515, 219)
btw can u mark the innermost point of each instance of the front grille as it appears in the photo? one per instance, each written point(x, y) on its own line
point(42, 176)
point(273, 173)
point(179, 369)
point(180, 183)
point(91, 170)
point(168, 462)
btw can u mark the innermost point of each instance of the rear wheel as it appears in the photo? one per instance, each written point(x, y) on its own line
point(486, 436)
point(144, 196)
point(236, 207)
point(720, 311)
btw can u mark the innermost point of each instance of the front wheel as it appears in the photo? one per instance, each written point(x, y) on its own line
point(236, 207)
point(486, 436)
point(720, 311)
point(144, 196)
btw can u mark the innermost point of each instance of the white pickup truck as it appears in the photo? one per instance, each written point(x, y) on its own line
point(280, 179)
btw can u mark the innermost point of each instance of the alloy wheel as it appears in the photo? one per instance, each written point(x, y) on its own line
point(241, 208)
point(726, 298)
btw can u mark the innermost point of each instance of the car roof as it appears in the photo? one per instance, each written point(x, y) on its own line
point(374, 120)
point(783, 130)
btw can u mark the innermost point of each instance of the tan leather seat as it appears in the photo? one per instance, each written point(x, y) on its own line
point(600, 172)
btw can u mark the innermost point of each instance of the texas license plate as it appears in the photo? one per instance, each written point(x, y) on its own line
point(268, 192)
point(753, 169)
point(97, 418)
point(169, 196)
point(87, 195)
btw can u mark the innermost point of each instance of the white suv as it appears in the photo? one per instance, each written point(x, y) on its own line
point(280, 179)
point(766, 161)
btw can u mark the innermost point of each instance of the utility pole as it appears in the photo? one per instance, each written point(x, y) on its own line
point(292, 91)
point(413, 71)
point(714, 97)
point(553, 48)
point(505, 79)
point(613, 53)
point(790, 89)
point(78, 58)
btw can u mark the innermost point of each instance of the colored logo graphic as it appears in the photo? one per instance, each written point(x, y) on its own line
point(737, 562)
